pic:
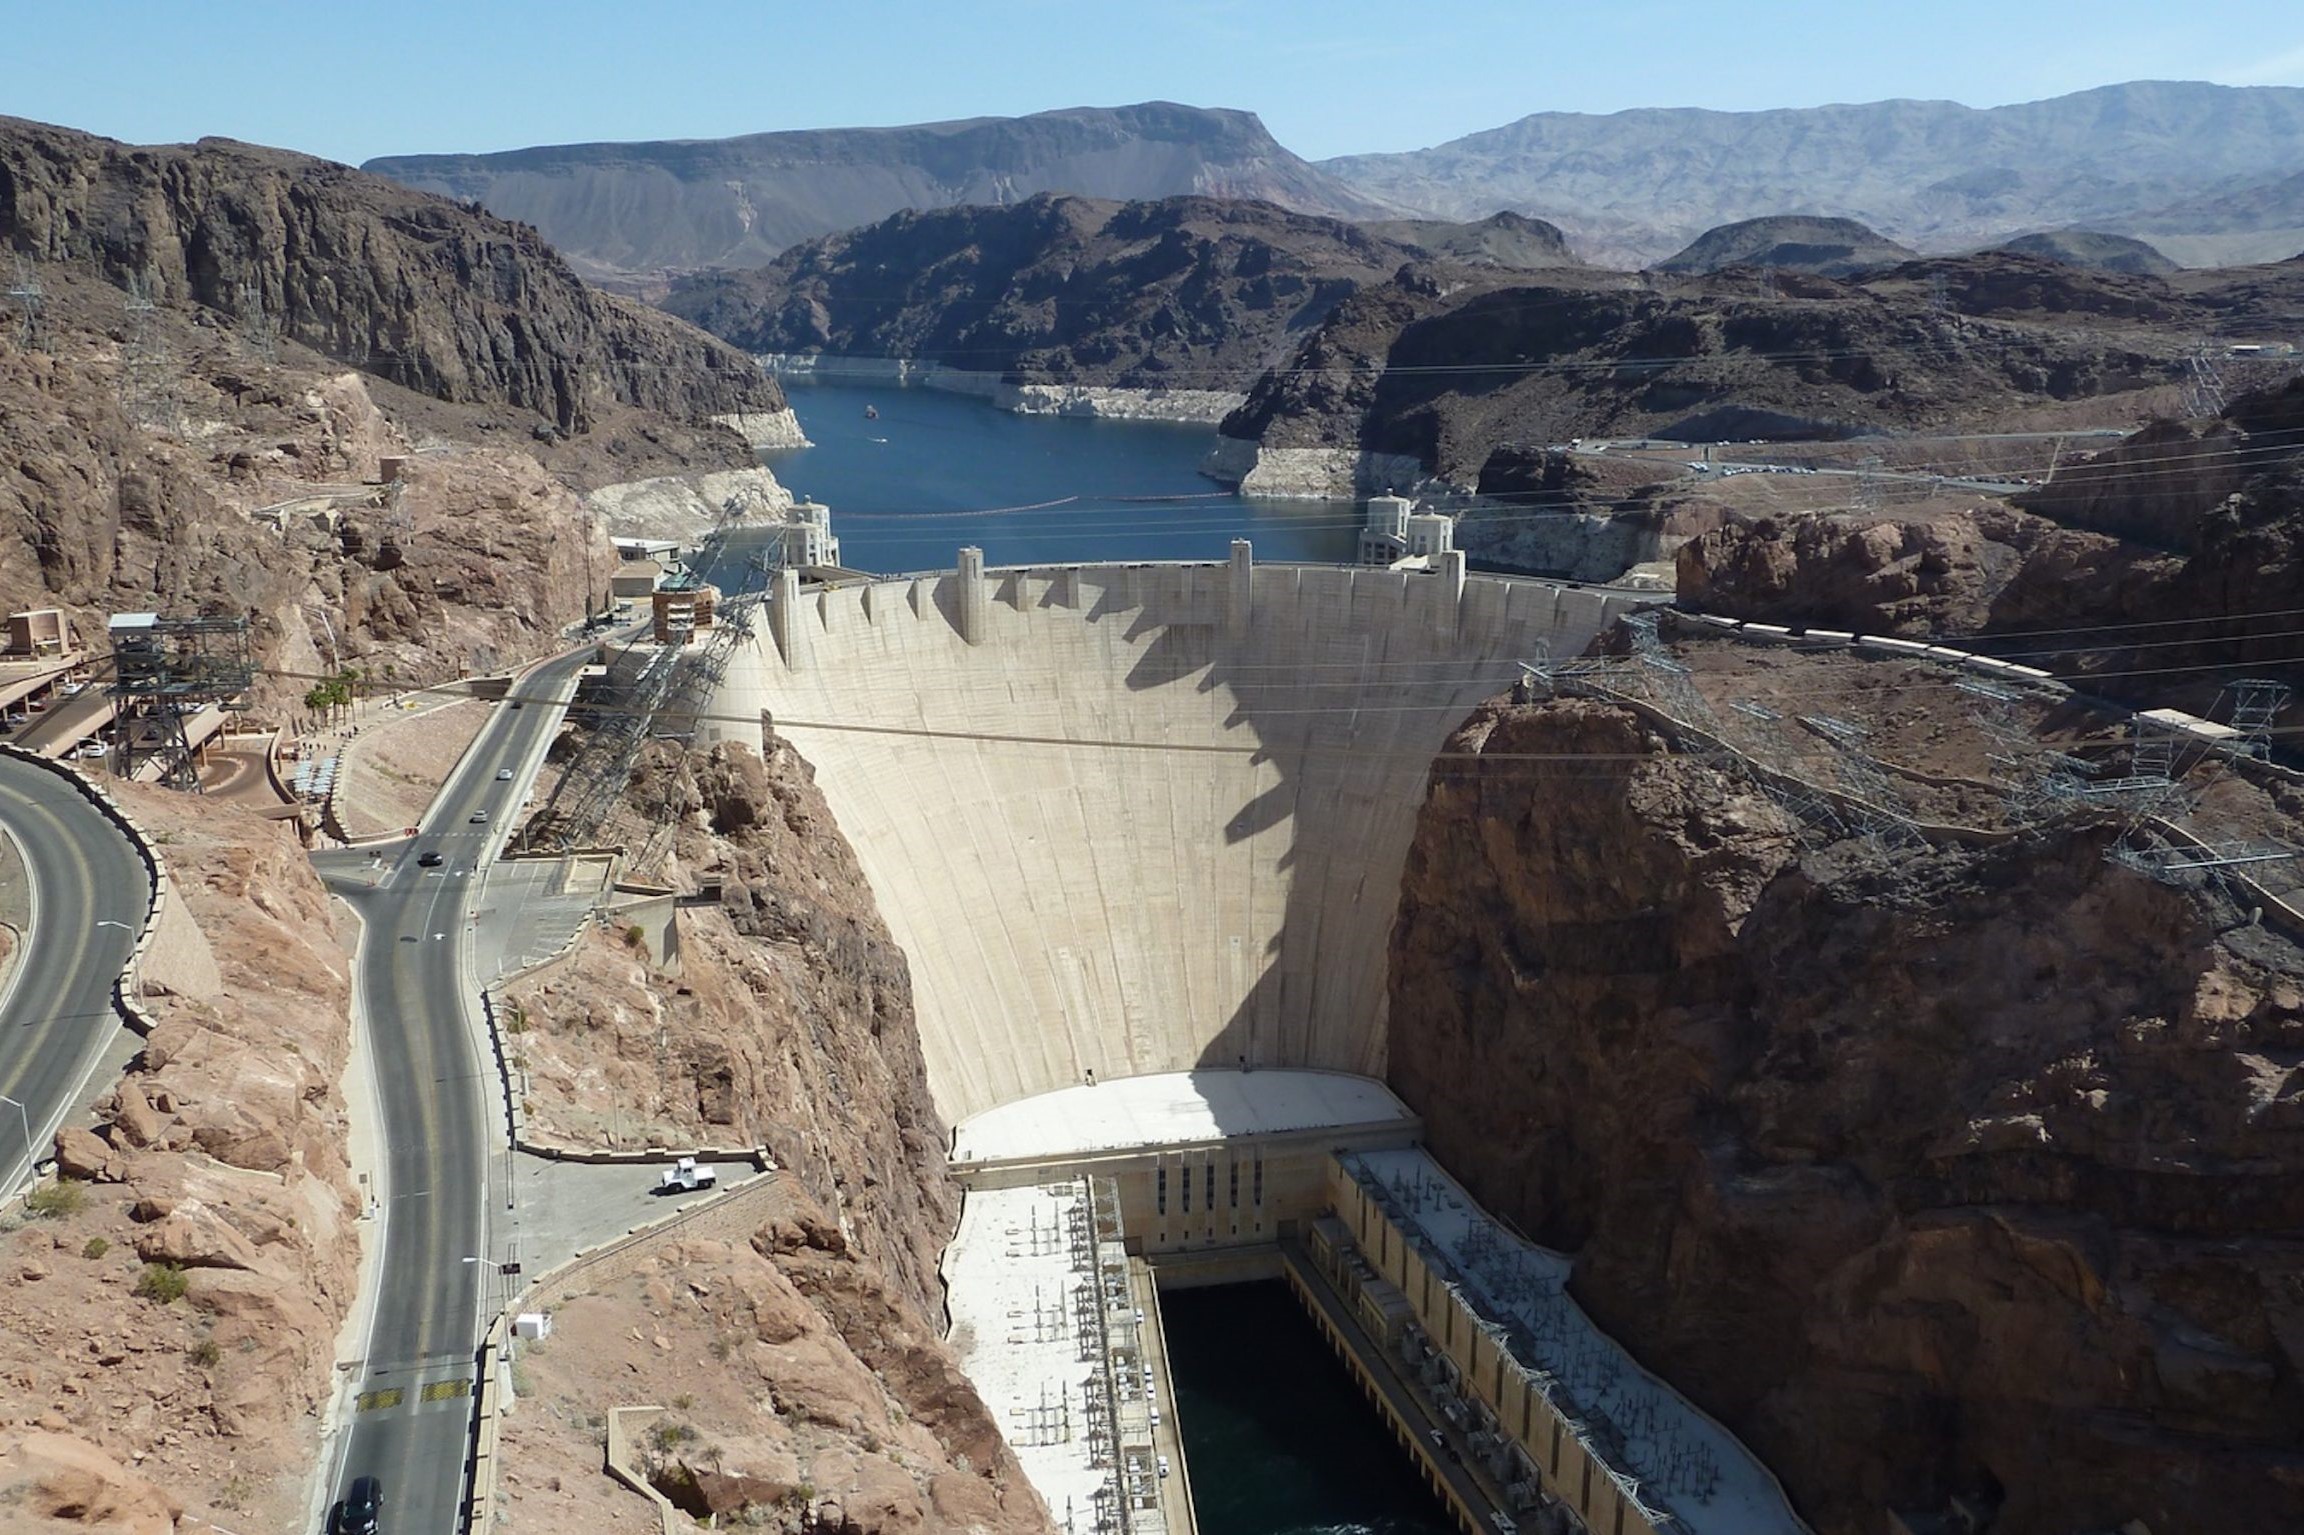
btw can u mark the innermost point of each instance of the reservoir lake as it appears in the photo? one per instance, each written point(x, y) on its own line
point(933, 471)
point(1276, 1437)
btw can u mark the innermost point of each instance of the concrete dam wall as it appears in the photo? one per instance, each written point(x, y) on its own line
point(1142, 818)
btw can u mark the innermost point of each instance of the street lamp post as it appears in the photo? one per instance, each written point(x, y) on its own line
point(24, 1122)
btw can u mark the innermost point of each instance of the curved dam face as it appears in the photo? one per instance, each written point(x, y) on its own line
point(1138, 819)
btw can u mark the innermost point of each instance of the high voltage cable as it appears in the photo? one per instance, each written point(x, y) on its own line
point(2152, 467)
point(779, 722)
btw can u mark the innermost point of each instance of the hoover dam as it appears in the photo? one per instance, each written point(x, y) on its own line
point(1136, 819)
point(1140, 831)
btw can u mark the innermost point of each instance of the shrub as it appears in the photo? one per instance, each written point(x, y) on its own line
point(635, 937)
point(54, 1201)
point(684, 1401)
point(97, 1247)
point(665, 1434)
point(205, 1353)
point(161, 1282)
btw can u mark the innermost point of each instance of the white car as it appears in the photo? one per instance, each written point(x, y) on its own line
point(503, 775)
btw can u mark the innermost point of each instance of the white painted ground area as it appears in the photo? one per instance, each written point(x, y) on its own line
point(1173, 1108)
point(1679, 1458)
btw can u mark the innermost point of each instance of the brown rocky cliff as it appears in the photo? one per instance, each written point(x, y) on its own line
point(789, 1022)
point(1978, 1177)
point(431, 294)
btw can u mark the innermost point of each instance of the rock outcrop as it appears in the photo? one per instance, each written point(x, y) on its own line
point(2093, 250)
point(791, 1005)
point(2194, 529)
point(829, 1405)
point(219, 1165)
point(1971, 1178)
point(1443, 367)
point(1189, 293)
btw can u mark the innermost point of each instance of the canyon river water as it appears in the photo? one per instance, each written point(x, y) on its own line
point(932, 471)
point(1277, 1438)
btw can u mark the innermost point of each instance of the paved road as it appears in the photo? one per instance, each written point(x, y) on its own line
point(90, 892)
point(444, 1136)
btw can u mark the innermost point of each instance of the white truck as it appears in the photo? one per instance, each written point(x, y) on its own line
point(685, 1177)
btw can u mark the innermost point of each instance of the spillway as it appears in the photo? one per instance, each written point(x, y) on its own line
point(1130, 819)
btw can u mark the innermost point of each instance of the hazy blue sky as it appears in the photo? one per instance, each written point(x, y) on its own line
point(352, 80)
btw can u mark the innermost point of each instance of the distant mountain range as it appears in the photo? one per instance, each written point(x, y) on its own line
point(678, 205)
point(2208, 174)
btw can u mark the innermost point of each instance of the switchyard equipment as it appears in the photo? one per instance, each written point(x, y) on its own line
point(661, 693)
point(166, 673)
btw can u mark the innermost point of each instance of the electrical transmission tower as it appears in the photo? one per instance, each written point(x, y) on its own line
point(26, 294)
point(1868, 490)
point(2256, 702)
point(147, 368)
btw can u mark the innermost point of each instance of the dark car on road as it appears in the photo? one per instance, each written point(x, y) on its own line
point(431, 860)
point(357, 1513)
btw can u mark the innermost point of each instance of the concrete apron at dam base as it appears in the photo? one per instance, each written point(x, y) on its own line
point(1140, 830)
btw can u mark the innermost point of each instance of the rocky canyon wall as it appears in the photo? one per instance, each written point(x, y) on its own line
point(1971, 1176)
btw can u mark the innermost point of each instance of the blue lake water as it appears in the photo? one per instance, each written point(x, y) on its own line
point(935, 471)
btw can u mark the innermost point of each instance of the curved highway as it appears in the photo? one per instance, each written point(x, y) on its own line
point(436, 1274)
point(90, 894)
